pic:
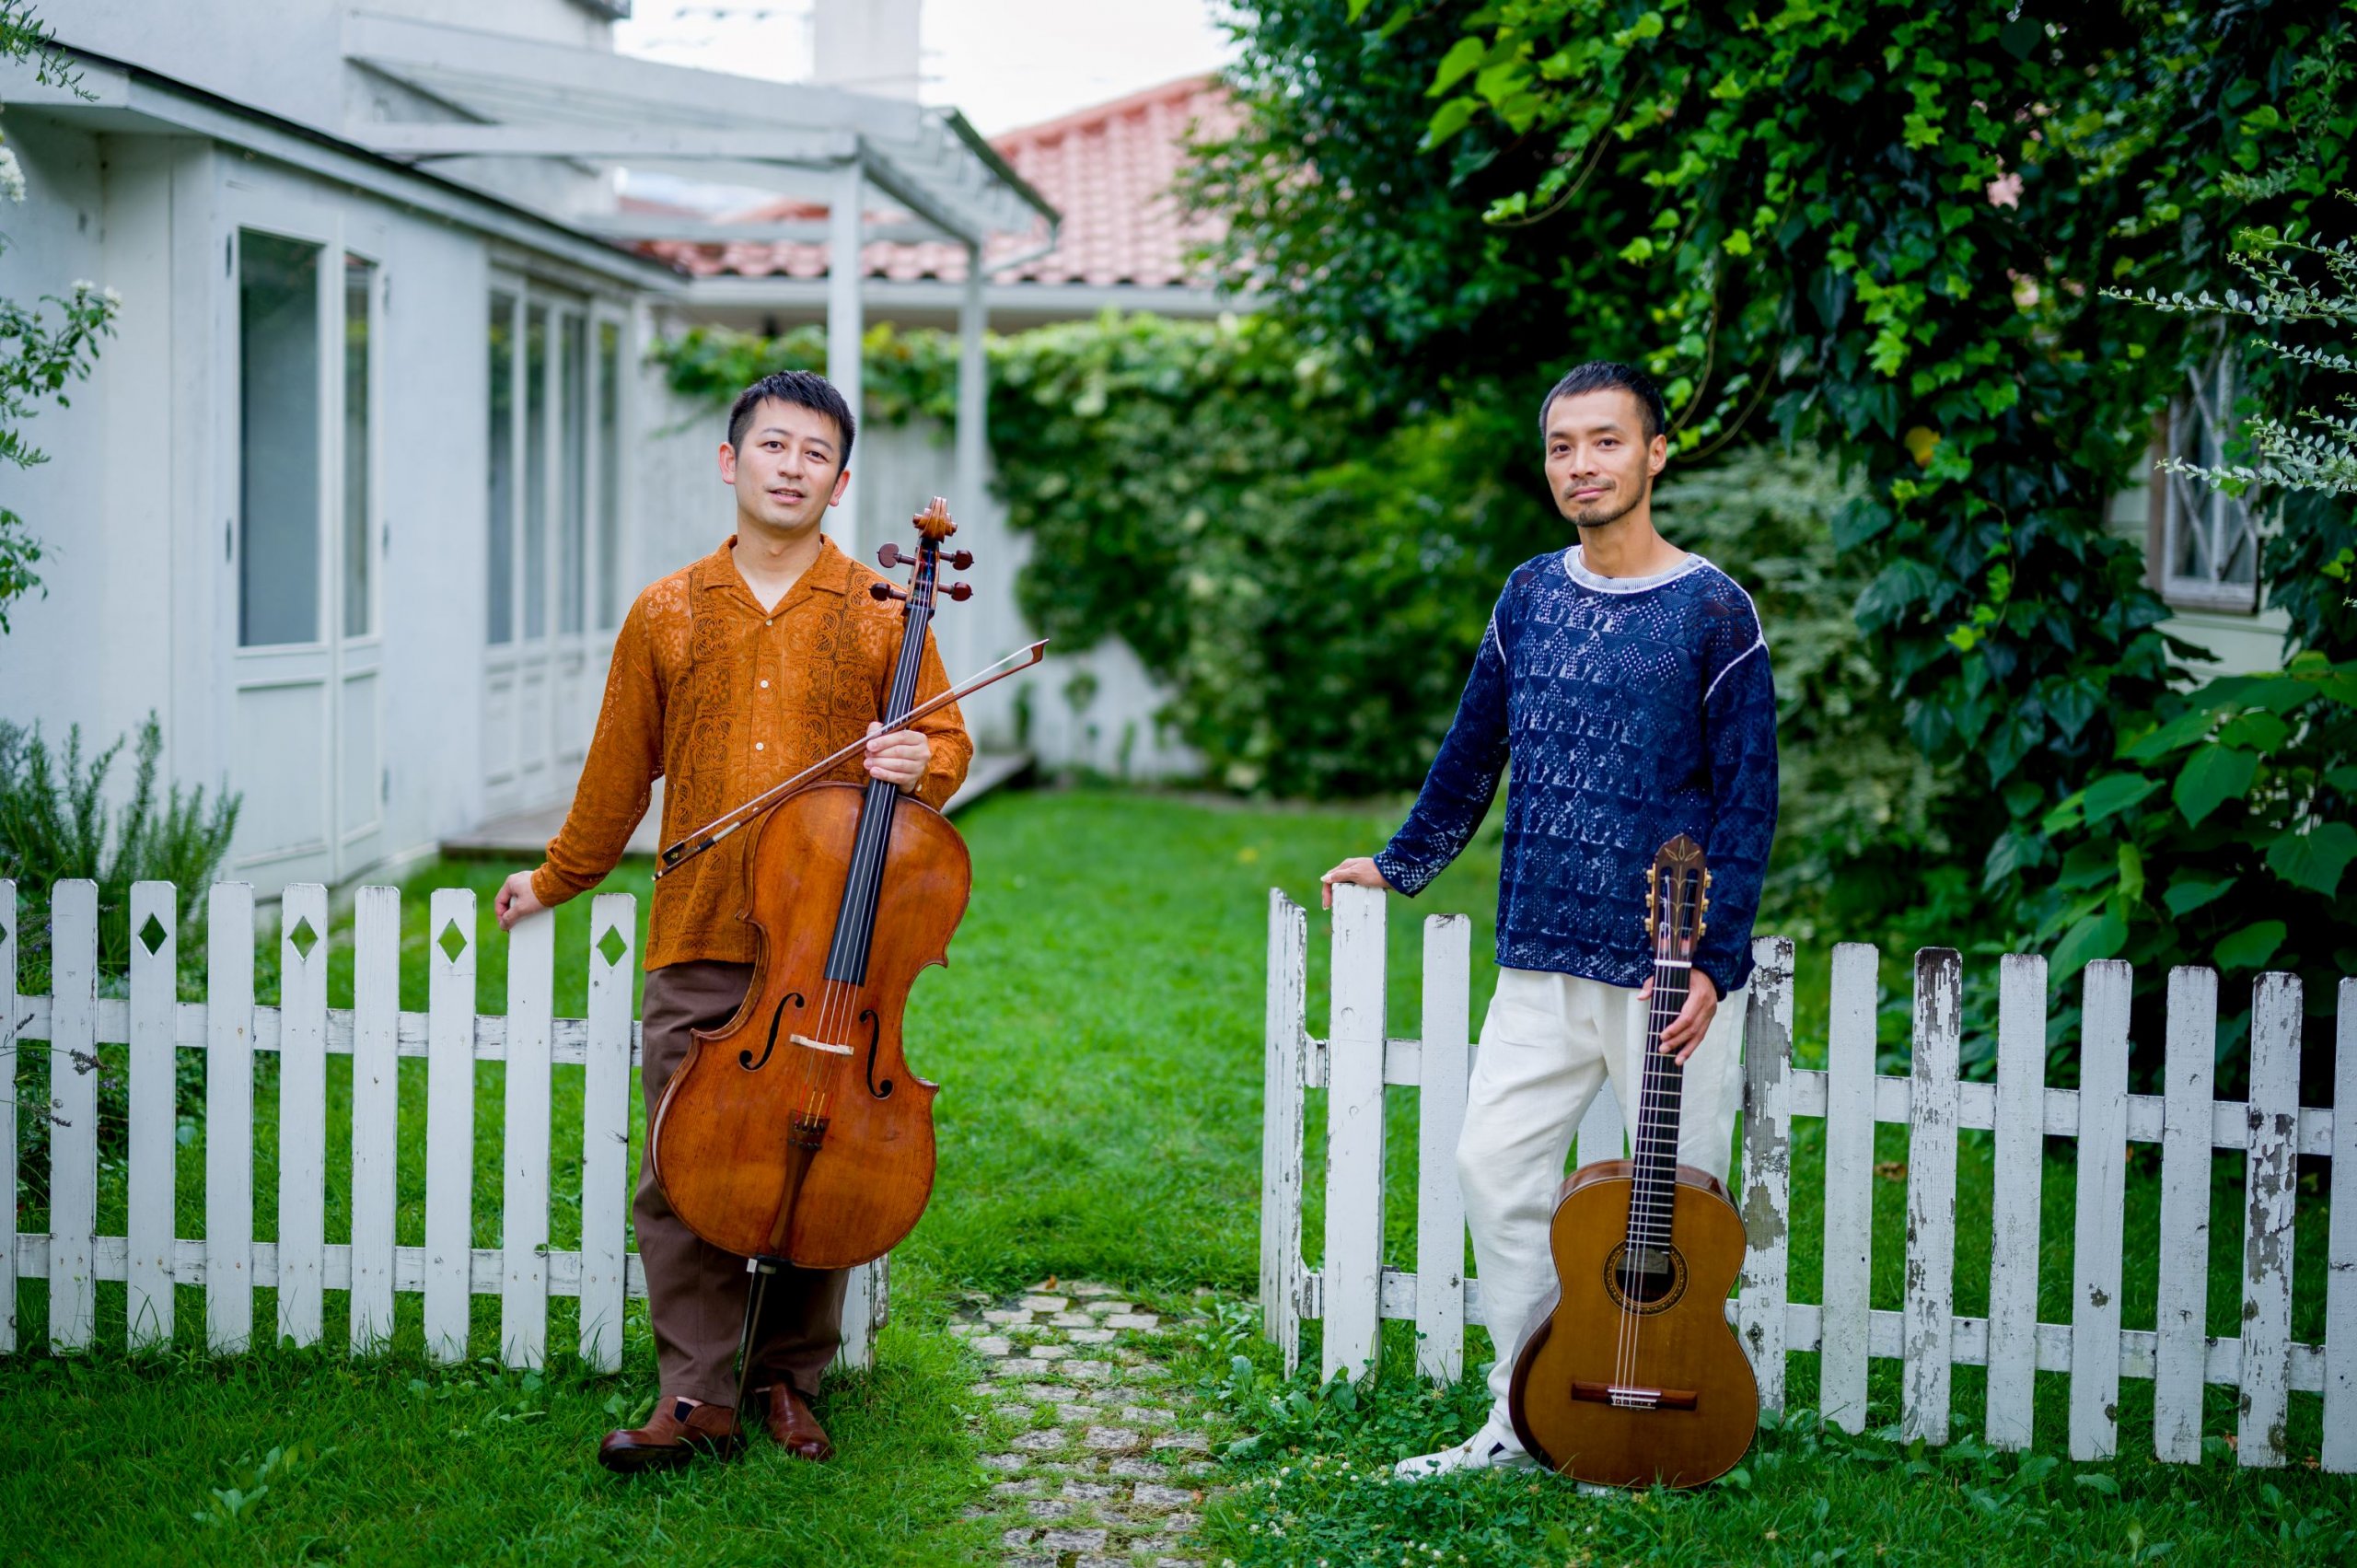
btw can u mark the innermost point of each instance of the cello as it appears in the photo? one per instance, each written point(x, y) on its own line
point(795, 1134)
point(1629, 1375)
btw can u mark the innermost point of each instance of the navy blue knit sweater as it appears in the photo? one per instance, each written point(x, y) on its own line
point(1633, 709)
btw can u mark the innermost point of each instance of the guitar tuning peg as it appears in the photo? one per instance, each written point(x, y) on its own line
point(889, 557)
point(962, 592)
point(959, 558)
point(885, 590)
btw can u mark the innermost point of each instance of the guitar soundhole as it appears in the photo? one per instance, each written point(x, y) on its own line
point(1644, 1280)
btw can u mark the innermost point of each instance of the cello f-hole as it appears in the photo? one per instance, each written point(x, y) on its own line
point(875, 1039)
point(745, 1057)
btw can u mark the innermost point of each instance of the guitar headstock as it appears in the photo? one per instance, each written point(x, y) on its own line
point(933, 526)
point(1677, 895)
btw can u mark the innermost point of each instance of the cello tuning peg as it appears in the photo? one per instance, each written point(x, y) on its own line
point(885, 591)
point(961, 558)
point(962, 592)
point(889, 557)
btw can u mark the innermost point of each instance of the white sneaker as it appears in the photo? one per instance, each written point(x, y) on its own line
point(1494, 1448)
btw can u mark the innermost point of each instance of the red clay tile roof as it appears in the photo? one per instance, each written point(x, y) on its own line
point(1109, 169)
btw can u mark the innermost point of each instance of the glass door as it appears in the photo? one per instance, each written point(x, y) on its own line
point(302, 544)
point(553, 363)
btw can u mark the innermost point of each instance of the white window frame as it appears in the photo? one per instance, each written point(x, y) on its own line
point(2190, 517)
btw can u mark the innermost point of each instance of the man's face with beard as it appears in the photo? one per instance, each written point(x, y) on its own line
point(1600, 464)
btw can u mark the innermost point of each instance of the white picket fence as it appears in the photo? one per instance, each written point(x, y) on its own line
point(1354, 1290)
point(300, 1263)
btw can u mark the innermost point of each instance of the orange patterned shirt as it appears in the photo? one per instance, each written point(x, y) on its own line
point(724, 700)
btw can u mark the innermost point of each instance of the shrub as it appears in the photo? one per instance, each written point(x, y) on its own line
point(54, 825)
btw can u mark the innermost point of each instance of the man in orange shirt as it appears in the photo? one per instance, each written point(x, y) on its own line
point(727, 677)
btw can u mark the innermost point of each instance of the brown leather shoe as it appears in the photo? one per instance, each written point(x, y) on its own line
point(679, 1431)
point(793, 1428)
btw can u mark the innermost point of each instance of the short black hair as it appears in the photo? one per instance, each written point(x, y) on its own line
point(1596, 375)
point(801, 389)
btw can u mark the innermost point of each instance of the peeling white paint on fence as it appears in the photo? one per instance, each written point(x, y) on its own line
point(1927, 1336)
point(299, 1263)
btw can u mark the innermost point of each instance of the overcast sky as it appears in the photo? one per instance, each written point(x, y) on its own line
point(1004, 63)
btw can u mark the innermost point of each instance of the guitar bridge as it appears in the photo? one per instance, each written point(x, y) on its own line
point(1628, 1397)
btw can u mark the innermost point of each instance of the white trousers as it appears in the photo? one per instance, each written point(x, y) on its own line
point(1548, 1043)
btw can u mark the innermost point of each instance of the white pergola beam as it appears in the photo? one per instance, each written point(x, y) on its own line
point(846, 326)
point(632, 227)
point(405, 49)
point(804, 149)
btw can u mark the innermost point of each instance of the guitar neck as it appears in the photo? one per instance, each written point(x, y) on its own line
point(1655, 1125)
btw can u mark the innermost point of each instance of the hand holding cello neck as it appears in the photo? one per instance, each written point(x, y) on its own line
point(704, 838)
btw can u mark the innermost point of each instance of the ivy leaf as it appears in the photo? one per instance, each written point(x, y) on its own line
point(2252, 946)
point(2181, 731)
point(2021, 35)
point(1358, 9)
point(1448, 120)
point(2343, 778)
point(2314, 859)
point(2261, 731)
point(2189, 892)
point(2098, 935)
point(2213, 776)
point(2115, 793)
point(1463, 58)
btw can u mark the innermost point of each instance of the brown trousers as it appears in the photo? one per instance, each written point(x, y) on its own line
point(695, 1291)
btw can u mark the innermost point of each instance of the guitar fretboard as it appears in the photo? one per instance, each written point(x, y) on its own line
point(1655, 1124)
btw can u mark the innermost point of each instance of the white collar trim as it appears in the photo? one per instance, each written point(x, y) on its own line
point(1576, 569)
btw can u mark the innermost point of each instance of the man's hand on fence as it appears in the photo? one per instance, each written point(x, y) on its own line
point(516, 900)
point(1685, 1032)
point(1358, 871)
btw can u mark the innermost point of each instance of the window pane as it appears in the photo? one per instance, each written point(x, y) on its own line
point(610, 449)
point(500, 577)
point(278, 440)
point(359, 291)
point(573, 497)
point(535, 471)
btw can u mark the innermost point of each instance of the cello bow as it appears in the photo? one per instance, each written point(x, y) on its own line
point(719, 827)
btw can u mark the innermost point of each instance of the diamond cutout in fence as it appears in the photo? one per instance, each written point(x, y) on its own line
point(304, 938)
point(452, 941)
point(151, 936)
point(612, 947)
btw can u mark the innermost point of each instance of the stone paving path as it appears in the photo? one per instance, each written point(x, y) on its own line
point(1107, 1472)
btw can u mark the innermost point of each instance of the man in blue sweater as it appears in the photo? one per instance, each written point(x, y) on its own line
point(1625, 683)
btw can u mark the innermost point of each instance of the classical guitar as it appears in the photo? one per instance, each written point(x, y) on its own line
point(1629, 1375)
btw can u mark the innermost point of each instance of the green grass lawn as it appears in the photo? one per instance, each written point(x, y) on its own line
point(1097, 1036)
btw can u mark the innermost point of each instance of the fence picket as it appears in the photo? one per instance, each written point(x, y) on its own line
point(1929, 1309)
point(1849, 1185)
point(2018, 1155)
point(8, 922)
point(151, 1208)
point(2181, 1350)
point(2340, 1270)
point(230, 1118)
point(449, 1120)
point(1283, 1038)
point(605, 1129)
point(1353, 1266)
point(73, 1112)
point(375, 1110)
point(1440, 1205)
point(524, 1220)
point(863, 1307)
point(2268, 1195)
point(1767, 1165)
point(302, 1110)
point(2096, 1228)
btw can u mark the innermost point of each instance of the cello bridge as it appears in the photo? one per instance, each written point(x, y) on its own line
point(819, 1045)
